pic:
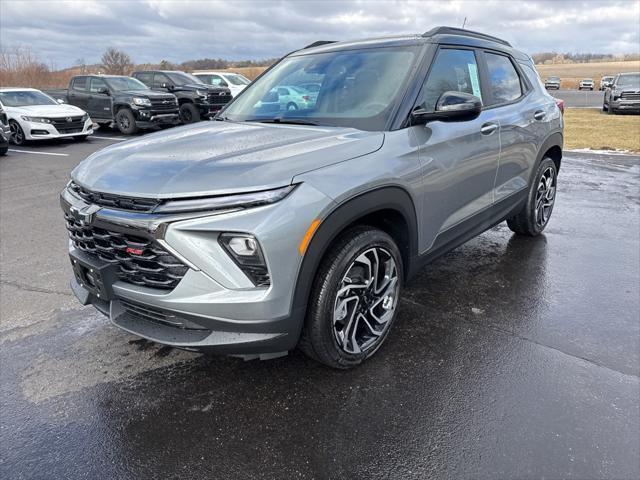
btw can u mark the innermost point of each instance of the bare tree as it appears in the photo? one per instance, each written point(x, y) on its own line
point(116, 62)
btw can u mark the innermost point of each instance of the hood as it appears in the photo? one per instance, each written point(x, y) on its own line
point(144, 93)
point(211, 158)
point(199, 86)
point(59, 110)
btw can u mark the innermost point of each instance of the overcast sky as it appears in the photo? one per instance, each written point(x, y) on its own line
point(152, 30)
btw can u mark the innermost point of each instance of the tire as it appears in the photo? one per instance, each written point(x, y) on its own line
point(3, 151)
point(604, 107)
point(324, 325)
point(189, 113)
point(17, 134)
point(292, 107)
point(531, 221)
point(611, 110)
point(126, 122)
point(81, 138)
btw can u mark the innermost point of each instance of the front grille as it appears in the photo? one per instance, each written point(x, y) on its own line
point(68, 124)
point(164, 104)
point(630, 96)
point(147, 313)
point(114, 201)
point(139, 260)
point(221, 98)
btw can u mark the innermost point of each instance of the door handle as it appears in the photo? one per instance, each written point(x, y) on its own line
point(488, 128)
point(539, 115)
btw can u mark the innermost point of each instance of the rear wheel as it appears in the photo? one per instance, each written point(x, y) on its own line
point(126, 122)
point(17, 134)
point(291, 107)
point(535, 214)
point(189, 113)
point(354, 298)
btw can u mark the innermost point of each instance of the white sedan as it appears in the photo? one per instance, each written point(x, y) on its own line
point(34, 115)
point(233, 81)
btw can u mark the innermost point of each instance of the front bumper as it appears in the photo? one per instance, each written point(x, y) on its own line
point(146, 117)
point(215, 307)
point(43, 131)
point(209, 110)
point(625, 105)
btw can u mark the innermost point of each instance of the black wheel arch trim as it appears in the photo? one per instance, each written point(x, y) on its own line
point(348, 213)
point(553, 140)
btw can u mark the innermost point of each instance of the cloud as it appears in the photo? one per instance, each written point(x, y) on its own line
point(62, 31)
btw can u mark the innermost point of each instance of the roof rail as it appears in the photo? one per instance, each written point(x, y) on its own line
point(463, 32)
point(318, 43)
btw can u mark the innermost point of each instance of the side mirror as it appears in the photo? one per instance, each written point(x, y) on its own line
point(60, 101)
point(103, 90)
point(451, 107)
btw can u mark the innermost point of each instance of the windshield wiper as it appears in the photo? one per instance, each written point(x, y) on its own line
point(290, 121)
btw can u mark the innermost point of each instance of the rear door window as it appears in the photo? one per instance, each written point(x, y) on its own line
point(452, 70)
point(79, 83)
point(504, 82)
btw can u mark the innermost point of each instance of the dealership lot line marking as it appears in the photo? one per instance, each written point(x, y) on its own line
point(39, 153)
point(108, 138)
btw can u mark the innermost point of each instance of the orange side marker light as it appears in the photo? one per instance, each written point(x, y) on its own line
point(307, 237)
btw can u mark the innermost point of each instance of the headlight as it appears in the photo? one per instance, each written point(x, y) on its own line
point(246, 253)
point(35, 119)
point(242, 200)
point(85, 117)
point(143, 102)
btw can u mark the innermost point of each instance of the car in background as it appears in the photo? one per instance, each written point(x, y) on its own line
point(586, 84)
point(288, 98)
point(310, 87)
point(34, 115)
point(606, 82)
point(623, 95)
point(552, 83)
point(120, 100)
point(5, 133)
point(197, 100)
point(233, 81)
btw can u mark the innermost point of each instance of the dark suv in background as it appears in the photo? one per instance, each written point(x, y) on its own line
point(119, 100)
point(272, 228)
point(197, 100)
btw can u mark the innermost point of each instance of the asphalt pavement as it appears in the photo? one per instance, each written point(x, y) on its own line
point(511, 358)
point(579, 98)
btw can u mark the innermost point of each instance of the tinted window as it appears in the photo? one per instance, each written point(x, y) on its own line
point(211, 79)
point(360, 88)
point(97, 84)
point(125, 83)
point(504, 81)
point(146, 78)
point(452, 70)
point(159, 79)
point(79, 83)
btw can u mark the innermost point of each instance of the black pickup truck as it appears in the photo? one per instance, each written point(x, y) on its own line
point(197, 99)
point(120, 100)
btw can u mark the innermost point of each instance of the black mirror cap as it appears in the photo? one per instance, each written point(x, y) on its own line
point(103, 90)
point(451, 106)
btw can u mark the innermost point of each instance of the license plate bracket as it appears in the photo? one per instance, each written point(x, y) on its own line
point(94, 275)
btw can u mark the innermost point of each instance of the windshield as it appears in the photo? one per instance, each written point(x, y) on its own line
point(181, 78)
point(358, 88)
point(236, 79)
point(125, 83)
point(26, 98)
point(629, 80)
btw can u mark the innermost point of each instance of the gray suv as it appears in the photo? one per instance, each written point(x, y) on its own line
point(623, 95)
point(272, 228)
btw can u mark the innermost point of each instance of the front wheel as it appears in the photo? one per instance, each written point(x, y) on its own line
point(189, 113)
point(17, 134)
point(3, 151)
point(126, 122)
point(534, 216)
point(354, 298)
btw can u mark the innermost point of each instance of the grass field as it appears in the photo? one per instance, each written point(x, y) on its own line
point(571, 73)
point(591, 128)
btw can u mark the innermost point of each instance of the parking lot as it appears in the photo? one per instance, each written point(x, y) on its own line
point(579, 98)
point(511, 358)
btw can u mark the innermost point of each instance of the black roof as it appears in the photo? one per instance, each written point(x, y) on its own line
point(444, 35)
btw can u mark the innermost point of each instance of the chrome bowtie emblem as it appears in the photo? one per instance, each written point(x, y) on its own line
point(69, 119)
